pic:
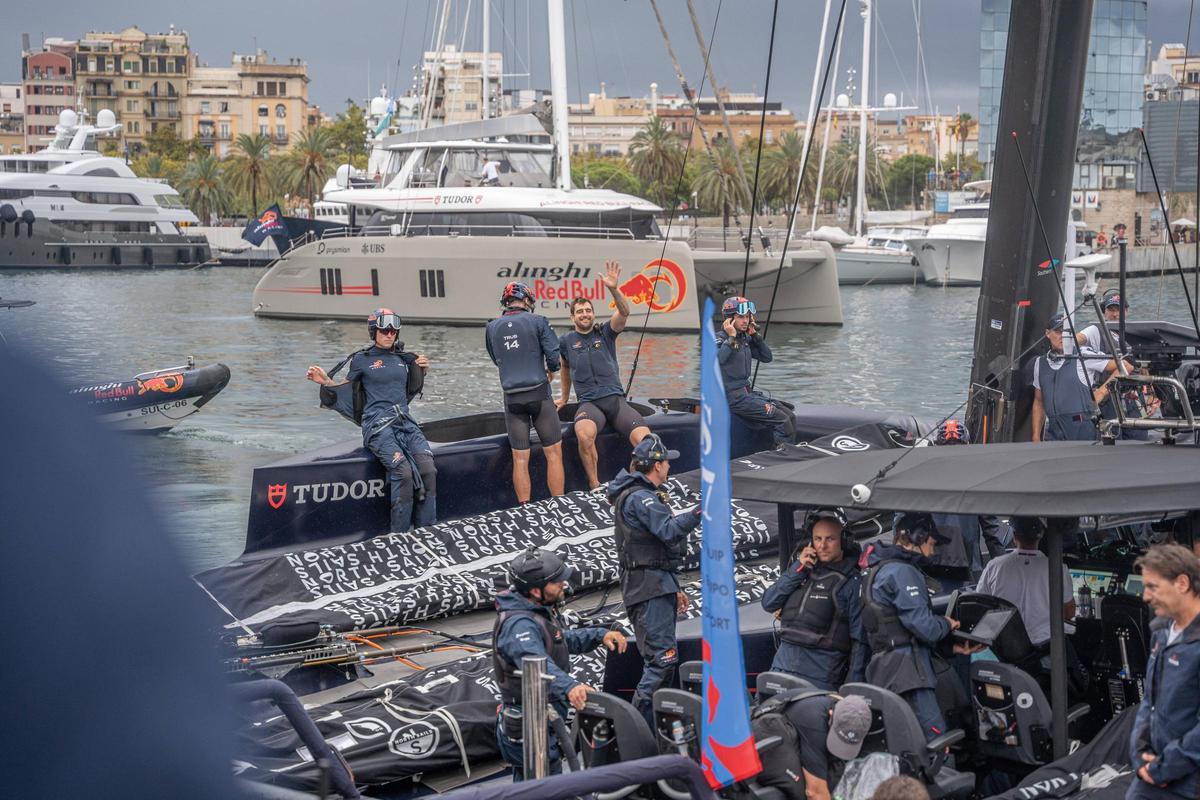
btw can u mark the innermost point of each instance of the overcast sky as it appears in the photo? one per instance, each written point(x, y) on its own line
point(352, 46)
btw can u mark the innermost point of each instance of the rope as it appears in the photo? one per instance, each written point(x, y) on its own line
point(799, 183)
point(762, 124)
point(671, 215)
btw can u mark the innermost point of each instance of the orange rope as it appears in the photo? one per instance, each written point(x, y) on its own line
point(364, 641)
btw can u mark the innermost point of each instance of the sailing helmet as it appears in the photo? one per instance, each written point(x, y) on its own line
point(952, 432)
point(735, 305)
point(383, 318)
point(534, 568)
point(918, 527)
point(515, 290)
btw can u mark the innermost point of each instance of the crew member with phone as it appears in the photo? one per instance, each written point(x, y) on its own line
point(738, 346)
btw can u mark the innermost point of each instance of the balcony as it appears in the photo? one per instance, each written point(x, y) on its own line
point(158, 114)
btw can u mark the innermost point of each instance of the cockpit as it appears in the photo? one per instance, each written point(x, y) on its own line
point(466, 164)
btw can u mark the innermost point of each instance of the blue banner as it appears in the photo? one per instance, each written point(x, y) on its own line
point(727, 746)
point(269, 224)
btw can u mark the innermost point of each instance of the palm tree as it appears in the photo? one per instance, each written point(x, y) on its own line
point(312, 159)
point(247, 170)
point(841, 169)
point(781, 167)
point(960, 129)
point(718, 184)
point(656, 157)
point(203, 187)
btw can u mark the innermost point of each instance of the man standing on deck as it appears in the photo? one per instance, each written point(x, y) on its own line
point(589, 362)
point(1165, 743)
point(650, 543)
point(528, 624)
point(897, 615)
point(524, 348)
point(817, 600)
point(1064, 403)
point(738, 346)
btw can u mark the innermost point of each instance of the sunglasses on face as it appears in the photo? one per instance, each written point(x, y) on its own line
point(388, 331)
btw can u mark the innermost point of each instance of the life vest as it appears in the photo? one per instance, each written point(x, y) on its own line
point(503, 669)
point(349, 399)
point(881, 623)
point(812, 616)
point(639, 549)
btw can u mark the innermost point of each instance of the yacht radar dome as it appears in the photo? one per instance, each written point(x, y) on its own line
point(67, 118)
point(342, 176)
point(842, 101)
point(889, 100)
point(106, 118)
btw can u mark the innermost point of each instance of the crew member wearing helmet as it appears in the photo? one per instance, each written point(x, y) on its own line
point(650, 542)
point(383, 373)
point(897, 615)
point(738, 346)
point(524, 348)
point(528, 624)
point(817, 600)
point(1064, 402)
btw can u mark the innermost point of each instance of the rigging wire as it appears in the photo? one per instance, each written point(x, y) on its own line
point(762, 124)
point(837, 32)
point(671, 216)
point(1163, 205)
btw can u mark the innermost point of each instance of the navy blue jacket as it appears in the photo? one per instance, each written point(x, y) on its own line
point(1168, 719)
point(523, 347)
point(812, 660)
point(901, 586)
point(521, 636)
point(643, 510)
point(384, 375)
point(736, 356)
point(592, 359)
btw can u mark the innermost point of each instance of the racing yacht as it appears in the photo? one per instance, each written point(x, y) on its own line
point(70, 206)
point(951, 253)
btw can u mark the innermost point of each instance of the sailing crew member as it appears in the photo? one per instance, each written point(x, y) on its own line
point(738, 346)
point(1110, 305)
point(528, 624)
point(491, 172)
point(817, 600)
point(897, 615)
point(831, 730)
point(389, 431)
point(1064, 402)
point(589, 363)
point(524, 348)
point(1139, 402)
point(1165, 743)
point(650, 543)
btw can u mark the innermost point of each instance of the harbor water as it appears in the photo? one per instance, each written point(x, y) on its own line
point(902, 348)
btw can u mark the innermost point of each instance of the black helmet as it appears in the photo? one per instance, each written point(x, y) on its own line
point(534, 568)
point(918, 528)
point(516, 290)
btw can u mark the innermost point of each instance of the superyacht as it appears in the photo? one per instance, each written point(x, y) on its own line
point(70, 206)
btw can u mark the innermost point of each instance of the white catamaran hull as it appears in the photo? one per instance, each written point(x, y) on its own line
point(458, 280)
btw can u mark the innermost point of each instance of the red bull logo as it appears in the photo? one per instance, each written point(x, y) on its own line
point(661, 285)
point(167, 384)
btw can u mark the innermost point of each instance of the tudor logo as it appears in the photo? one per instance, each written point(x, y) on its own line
point(417, 740)
point(848, 444)
point(333, 492)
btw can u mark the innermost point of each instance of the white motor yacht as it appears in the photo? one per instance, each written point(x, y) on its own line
point(951, 253)
point(70, 206)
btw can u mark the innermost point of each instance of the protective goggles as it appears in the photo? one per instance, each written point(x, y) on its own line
point(388, 322)
point(746, 308)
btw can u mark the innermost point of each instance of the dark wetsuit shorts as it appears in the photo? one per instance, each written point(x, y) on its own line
point(614, 410)
point(531, 409)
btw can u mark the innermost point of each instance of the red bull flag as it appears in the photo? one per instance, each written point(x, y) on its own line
point(270, 223)
point(727, 747)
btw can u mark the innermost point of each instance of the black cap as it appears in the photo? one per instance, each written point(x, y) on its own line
point(1056, 322)
point(534, 568)
point(1113, 298)
point(651, 449)
point(917, 527)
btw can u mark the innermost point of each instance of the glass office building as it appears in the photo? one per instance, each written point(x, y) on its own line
point(1112, 95)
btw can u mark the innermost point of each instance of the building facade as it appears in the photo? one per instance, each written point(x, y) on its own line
point(457, 84)
point(12, 118)
point(745, 113)
point(606, 125)
point(48, 83)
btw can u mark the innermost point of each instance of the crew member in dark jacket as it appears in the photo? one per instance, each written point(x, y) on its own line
point(528, 624)
point(818, 602)
point(650, 543)
point(1165, 743)
point(738, 347)
point(525, 350)
point(898, 618)
point(388, 430)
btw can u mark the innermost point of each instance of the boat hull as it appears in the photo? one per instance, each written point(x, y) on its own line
point(806, 291)
point(868, 267)
point(156, 402)
point(45, 245)
point(950, 261)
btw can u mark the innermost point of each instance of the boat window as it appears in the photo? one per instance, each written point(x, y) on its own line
point(169, 201)
point(970, 213)
point(108, 198)
point(86, 226)
point(15, 194)
point(103, 172)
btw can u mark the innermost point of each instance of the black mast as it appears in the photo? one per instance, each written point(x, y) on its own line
point(1044, 68)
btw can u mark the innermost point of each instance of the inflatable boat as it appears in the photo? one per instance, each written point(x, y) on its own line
point(154, 402)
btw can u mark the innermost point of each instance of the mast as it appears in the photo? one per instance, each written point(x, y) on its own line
point(1041, 98)
point(812, 111)
point(860, 200)
point(558, 90)
point(837, 55)
point(485, 101)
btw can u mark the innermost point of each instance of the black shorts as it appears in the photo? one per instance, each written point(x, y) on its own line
point(612, 410)
point(531, 409)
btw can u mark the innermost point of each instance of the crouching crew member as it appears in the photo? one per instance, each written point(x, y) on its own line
point(1165, 743)
point(831, 730)
point(738, 346)
point(818, 603)
point(382, 375)
point(528, 624)
point(525, 350)
point(650, 543)
point(897, 615)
